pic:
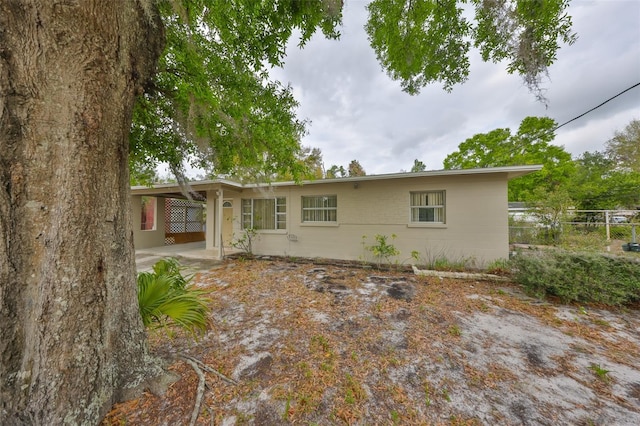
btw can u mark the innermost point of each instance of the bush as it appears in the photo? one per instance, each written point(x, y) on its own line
point(383, 251)
point(578, 277)
point(245, 241)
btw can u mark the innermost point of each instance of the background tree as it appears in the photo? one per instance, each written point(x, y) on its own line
point(624, 147)
point(311, 158)
point(551, 210)
point(599, 184)
point(198, 71)
point(530, 145)
point(588, 185)
point(356, 169)
point(310, 167)
point(418, 166)
point(335, 171)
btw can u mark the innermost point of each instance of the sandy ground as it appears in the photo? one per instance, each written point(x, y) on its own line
point(329, 344)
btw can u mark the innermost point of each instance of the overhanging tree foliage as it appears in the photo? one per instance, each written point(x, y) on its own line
point(211, 103)
point(423, 42)
point(73, 75)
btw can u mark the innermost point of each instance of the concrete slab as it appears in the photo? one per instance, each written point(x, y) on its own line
point(194, 256)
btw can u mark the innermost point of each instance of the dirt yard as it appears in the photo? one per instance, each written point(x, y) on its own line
point(331, 345)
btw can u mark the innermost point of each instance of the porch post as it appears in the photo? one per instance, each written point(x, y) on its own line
point(219, 241)
point(211, 222)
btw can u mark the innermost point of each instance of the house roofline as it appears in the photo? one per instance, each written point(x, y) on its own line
point(512, 172)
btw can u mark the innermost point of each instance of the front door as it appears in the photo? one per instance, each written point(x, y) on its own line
point(227, 223)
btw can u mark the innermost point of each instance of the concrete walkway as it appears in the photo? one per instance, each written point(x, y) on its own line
point(194, 256)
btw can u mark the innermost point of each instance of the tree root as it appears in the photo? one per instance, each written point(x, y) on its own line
point(208, 369)
point(198, 366)
point(199, 393)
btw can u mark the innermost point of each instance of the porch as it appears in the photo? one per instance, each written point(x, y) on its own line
point(167, 223)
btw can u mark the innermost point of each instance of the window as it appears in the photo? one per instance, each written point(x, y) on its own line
point(427, 206)
point(323, 208)
point(264, 213)
point(148, 213)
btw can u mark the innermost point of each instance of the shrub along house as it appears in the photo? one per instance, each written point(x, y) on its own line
point(456, 214)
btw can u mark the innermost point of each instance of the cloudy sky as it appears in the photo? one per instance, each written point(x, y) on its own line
point(357, 112)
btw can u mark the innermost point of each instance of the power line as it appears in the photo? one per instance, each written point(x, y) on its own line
point(596, 107)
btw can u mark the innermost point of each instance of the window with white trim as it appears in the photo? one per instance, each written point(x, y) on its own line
point(264, 213)
point(428, 206)
point(322, 208)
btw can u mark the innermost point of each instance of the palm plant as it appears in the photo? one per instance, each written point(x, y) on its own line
point(165, 297)
point(171, 267)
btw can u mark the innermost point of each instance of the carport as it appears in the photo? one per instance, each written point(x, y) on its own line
point(214, 232)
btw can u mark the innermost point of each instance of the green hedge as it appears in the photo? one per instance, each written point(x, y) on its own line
point(578, 277)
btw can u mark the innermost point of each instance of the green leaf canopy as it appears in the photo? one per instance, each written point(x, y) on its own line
point(211, 103)
point(425, 41)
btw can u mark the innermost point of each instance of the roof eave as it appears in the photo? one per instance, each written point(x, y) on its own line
point(512, 172)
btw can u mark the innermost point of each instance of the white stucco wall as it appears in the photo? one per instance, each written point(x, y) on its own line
point(152, 238)
point(476, 225)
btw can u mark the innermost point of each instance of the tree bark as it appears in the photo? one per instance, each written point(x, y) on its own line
point(72, 342)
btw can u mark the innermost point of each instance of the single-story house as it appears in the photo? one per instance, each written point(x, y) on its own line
point(457, 214)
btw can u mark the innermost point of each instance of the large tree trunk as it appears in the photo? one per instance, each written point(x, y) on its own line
point(71, 339)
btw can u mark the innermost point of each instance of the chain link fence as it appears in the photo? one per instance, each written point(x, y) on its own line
point(601, 230)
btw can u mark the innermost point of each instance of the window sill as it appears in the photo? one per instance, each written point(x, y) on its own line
point(321, 224)
point(427, 225)
point(272, 231)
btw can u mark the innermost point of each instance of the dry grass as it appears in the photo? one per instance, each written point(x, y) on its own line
point(328, 345)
